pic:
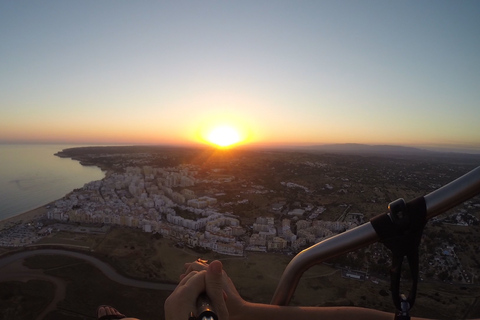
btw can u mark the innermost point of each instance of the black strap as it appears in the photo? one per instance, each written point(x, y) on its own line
point(401, 231)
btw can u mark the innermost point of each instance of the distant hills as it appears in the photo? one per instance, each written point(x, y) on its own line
point(355, 148)
point(392, 151)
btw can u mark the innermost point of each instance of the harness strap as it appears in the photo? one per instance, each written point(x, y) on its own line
point(400, 231)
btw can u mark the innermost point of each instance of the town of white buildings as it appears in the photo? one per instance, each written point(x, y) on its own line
point(145, 198)
point(163, 201)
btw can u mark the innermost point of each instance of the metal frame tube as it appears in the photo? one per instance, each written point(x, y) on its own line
point(350, 240)
point(453, 194)
point(438, 201)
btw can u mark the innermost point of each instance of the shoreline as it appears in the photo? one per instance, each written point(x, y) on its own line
point(26, 216)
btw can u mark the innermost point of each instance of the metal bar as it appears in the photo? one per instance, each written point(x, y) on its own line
point(437, 202)
point(453, 194)
point(350, 240)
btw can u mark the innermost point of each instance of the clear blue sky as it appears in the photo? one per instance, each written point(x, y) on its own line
point(397, 72)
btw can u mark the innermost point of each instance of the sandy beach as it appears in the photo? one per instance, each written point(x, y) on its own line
point(25, 217)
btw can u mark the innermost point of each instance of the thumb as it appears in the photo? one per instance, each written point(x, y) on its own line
point(214, 288)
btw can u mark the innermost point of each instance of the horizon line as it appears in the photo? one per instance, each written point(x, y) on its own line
point(432, 147)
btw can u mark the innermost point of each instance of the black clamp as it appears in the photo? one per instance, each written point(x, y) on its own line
point(401, 230)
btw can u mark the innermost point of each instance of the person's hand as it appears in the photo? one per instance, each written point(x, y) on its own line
point(197, 265)
point(183, 299)
point(235, 303)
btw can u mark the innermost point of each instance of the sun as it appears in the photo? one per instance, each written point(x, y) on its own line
point(224, 136)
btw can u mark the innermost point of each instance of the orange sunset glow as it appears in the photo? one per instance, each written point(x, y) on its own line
point(224, 136)
point(170, 74)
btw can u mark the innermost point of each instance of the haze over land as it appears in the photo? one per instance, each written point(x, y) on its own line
point(281, 73)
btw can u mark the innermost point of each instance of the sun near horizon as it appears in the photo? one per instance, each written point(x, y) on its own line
point(224, 136)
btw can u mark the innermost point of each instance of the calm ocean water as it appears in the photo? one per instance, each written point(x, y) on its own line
point(31, 176)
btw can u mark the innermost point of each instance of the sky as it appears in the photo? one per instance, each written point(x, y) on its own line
point(280, 72)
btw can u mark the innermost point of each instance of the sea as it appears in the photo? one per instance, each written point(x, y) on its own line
point(32, 176)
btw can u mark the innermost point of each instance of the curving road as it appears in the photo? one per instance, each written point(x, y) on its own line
point(106, 269)
point(12, 269)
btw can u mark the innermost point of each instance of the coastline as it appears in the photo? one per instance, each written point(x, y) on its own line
point(34, 177)
point(25, 217)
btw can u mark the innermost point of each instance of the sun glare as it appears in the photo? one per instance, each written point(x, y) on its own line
point(224, 136)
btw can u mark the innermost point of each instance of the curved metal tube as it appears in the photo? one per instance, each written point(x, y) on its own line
point(438, 201)
point(350, 240)
point(453, 194)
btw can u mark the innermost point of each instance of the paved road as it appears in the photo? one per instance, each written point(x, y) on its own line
point(108, 270)
point(15, 271)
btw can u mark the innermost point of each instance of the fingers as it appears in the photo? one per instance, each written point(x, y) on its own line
point(195, 281)
point(214, 288)
point(198, 265)
point(199, 277)
point(187, 277)
point(183, 299)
